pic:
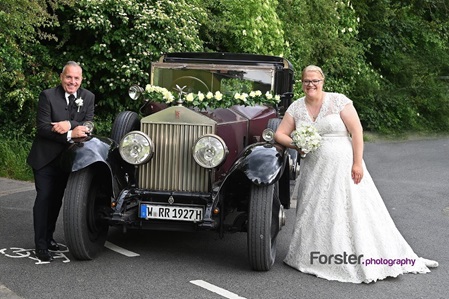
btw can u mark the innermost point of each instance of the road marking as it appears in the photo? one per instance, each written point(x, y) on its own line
point(7, 293)
point(17, 190)
point(120, 250)
point(215, 289)
point(16, 252)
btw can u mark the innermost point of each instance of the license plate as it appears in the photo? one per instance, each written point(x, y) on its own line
point(148, 211)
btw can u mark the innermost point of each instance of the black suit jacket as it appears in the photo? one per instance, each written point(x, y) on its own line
point(52, 107)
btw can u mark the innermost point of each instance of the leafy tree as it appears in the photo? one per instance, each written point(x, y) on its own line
point(388, 56)
point(23, 61)
point(252, 26)
point(326, 33)
point(115, 42)
point(407, 42)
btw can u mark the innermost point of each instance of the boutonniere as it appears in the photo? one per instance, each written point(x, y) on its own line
point(79, 103)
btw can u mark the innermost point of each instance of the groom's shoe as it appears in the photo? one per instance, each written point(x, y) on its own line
point(44, 255)
point(52, 245)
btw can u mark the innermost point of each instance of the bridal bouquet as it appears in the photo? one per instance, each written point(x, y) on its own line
point(306, 138)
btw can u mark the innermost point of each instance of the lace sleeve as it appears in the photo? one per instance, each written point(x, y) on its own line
point(294, 110)
point(339, 102)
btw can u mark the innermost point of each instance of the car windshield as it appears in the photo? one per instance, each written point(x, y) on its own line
point(223, 78)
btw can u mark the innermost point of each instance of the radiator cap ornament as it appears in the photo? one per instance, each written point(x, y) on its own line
point(181, 93)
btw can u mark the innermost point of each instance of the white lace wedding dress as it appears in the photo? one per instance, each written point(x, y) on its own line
point(337, 217)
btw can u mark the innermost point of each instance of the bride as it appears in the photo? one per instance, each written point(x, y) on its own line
point(343, 230)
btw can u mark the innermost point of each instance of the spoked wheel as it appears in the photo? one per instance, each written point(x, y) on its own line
point(124, 123)
point(265, 220)
point(85, 230)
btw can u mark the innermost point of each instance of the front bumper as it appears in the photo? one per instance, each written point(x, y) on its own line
point(126, 210)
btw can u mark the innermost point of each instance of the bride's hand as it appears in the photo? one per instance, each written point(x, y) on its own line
point(300, 152)
point(357, 173)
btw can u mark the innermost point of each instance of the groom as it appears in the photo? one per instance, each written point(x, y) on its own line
point(60, 116)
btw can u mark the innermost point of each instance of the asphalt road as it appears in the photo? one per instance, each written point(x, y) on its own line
point(412, 177)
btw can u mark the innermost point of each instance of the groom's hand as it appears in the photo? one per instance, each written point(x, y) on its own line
point(61, 127)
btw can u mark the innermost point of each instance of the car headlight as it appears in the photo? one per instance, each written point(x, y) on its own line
point(210, 151)
point(135, 92)
point(136, 148)
point(268, 135)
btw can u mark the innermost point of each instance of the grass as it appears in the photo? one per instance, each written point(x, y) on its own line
point(375, 137)
point(13, 154)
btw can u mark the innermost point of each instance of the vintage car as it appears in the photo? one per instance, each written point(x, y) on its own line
point(199, 155)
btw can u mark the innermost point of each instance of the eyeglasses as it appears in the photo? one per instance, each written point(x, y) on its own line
point(314, 82)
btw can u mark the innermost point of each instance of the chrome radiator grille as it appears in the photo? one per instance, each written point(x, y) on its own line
point(172, 167)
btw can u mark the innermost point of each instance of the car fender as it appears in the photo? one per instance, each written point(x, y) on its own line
point(88, 151)
point(262, 163)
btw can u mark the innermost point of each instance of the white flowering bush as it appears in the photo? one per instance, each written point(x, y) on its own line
point(211, 100)
point(115, 41)
point(306, 138)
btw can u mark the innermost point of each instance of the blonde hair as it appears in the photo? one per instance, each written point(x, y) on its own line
point(312, 68)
